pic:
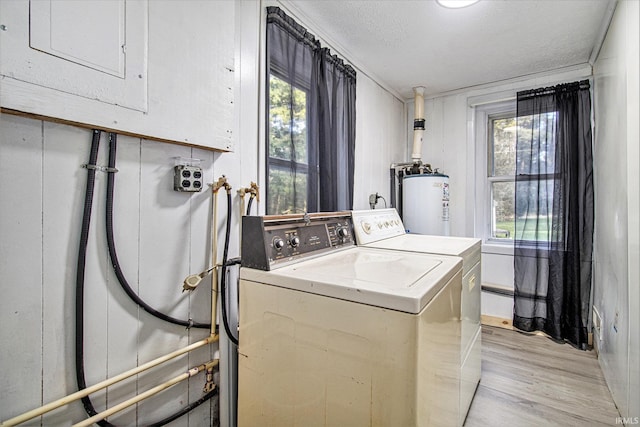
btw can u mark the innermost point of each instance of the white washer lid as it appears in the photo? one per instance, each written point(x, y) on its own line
point(389, 279)
point(465, 247)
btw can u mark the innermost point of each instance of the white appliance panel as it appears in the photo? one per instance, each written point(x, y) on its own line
point(372, 225)
point(466, 248)
point(352, 337)
point(388, 279)
point(470, 306)
point(380, 229)
point(470, 372)
point(312, 360)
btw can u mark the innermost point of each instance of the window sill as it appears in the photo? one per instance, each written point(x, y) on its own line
point(497, 248)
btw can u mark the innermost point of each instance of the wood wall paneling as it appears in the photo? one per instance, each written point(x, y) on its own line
point(65, 151)
point(379, 141)
point(614, 169)
point(161, 237)
point(123, 314)
point(164, 262)
point(200, 298)
point(21, 266)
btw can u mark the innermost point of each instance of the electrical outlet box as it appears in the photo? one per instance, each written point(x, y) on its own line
point(187, 178)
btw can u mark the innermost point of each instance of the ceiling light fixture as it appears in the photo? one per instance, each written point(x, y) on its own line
point(456, 4)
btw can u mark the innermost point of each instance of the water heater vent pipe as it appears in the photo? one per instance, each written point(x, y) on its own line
point(418, 124)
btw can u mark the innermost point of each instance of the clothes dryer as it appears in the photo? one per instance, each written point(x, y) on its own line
point(383, 229)
point(335, 334)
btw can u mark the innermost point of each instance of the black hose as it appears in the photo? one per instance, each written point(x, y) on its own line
point(223, 280)
point(249, 205)
point(392, 189)
point(114, 257)
point(82, 257)
point(81, 265)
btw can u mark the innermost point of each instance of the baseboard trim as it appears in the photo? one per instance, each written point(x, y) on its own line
point(501, 322)
point(498, 322)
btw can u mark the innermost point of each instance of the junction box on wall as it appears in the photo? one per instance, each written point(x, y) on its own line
point(187, 175)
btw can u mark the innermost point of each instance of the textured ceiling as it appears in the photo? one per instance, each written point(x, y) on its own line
point(419, 43)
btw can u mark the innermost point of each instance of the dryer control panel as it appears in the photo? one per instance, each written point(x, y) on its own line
point(376, 224)
point(272, 241)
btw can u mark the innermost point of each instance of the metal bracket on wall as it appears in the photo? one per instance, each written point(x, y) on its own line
point(100, 168)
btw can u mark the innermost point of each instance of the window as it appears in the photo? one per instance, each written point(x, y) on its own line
point(504, 129)
point(501, 170)
point(535, 176)
point(310, 121)
point(288, 148)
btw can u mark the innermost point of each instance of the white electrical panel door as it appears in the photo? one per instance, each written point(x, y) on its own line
point(160, 70)
point(94, 49)
point(89, 33)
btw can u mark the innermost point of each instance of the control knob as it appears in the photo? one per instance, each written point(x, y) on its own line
point(294, 241)
point(342, 232)
point(278, 243)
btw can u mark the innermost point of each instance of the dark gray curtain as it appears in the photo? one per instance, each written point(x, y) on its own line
point(295, 54)
point(290, 57)
point(335, 83)
point(554, 212)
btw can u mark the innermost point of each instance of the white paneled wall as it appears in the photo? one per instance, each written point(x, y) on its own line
point(21, 215)
point(617, 234)
point(161, 237)
point(380, 137)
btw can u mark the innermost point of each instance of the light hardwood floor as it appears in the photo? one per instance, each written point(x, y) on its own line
point(530, 380)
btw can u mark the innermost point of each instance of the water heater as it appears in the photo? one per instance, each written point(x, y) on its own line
point(425, 204)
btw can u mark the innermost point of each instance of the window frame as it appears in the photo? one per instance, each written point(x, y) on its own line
point(310, 168)
point(484, 183)
point(484, 196)
point(490, 175)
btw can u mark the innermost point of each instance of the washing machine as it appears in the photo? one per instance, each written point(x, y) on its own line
point(332, 334)
point(383, 229)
